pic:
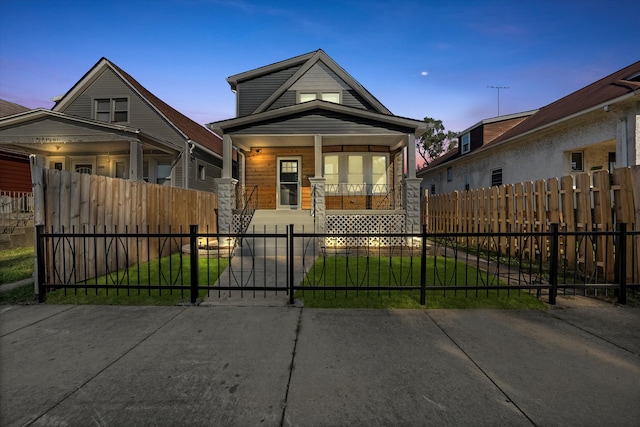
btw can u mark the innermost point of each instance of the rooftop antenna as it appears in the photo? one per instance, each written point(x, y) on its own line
point(498, 87)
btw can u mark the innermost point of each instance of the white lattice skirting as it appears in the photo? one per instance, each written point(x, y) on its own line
point(374, 225)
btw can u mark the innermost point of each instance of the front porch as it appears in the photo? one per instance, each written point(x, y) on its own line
point(342, 174)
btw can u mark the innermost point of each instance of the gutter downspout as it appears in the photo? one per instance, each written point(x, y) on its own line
point(624, 149)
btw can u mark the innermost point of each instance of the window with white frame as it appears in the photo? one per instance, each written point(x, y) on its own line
point(356, 172)
point(465, 143)
point(112, 110)
point(577, 161)
point(120, 169)
point(325, 96)
point(163, 173)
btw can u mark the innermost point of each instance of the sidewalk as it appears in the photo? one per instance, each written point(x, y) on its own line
point(576, 364)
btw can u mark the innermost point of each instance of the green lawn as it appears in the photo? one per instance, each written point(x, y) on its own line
point(16, 264)
point(165, 271)
point(405, 271)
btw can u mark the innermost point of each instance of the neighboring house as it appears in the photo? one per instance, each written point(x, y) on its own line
point(15, 171)
point(596, 127)
point(309, 136)
point(109, 124)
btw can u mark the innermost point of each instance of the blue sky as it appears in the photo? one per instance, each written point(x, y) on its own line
point(419, 58)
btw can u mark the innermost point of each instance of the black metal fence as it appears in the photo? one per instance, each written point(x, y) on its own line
point(198, 265)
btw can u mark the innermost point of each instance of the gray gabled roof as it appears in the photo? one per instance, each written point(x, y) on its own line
point(185, 126)
point(306, 61)
point(220, 126)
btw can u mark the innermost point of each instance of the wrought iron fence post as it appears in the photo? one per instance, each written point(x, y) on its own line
point(553, 268)
point(621, 262)
point(40, 264)
point(193, 260)
point(290, 262)
point(423, 267)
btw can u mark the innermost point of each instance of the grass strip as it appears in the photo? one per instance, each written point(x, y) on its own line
point(405, 271)
point(169, 270)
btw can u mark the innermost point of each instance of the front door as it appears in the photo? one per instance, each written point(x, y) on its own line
point(288, 186)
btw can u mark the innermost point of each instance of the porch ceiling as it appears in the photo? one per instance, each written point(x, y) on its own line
point(245, 142)
point(55, 146)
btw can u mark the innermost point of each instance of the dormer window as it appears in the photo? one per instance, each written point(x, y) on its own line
point(325, 96)
point(465, 143)
point(112, 110)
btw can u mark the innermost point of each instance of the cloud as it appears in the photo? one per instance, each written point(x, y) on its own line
point(424, 73)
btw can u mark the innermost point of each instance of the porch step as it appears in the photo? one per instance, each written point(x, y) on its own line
point(272, 220)
point(275, 221)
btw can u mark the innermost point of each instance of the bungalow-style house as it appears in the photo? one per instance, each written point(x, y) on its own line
point(109, 124)
point(310, 137)
point(596, 127)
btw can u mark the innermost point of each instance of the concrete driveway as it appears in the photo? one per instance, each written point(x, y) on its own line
point(575, 364)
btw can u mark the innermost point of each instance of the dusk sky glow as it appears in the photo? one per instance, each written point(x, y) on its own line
point(419, 58)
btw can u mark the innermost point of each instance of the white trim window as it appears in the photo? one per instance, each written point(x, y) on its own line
point(112, 110)
point(465, 143)
point(356, 172)
point(325, 96)
point(84, 164)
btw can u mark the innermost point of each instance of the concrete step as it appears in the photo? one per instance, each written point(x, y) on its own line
point(17, 237)
point(273, 246)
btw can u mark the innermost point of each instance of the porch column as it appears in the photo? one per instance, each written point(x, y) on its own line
point(226, 192)
point(135, 160)
point(317, 154)
point(411, 155)
point(227, 156)
point(412, 204)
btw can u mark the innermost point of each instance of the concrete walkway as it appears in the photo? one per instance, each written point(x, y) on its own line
point(576, 364)
point(262, 262)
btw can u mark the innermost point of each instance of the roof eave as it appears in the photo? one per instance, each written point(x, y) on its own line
point(600, 106)
point(219, 127)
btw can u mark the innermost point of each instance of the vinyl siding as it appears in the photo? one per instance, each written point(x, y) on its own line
point(252, 93)
point(213, 170)
point(141, 115)
point(56, 129)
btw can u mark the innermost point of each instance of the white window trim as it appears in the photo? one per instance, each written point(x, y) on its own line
point(91, 160)
point(465, 148)
point(571, 161)
point(112, 108)
point(202, 176)
point(318, 95)
point(57, 159)
point(112, 166)
point(367, 170)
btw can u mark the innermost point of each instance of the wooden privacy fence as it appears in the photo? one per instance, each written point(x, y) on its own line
point(70, 202)
point(589, 202)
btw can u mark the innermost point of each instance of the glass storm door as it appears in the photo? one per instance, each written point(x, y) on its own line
point(288, 196)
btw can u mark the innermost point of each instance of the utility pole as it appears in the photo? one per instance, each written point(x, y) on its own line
point(498, 87)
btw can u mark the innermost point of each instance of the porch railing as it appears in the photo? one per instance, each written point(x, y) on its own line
point(246, 203)
point(362, 196)
point(16, 209)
